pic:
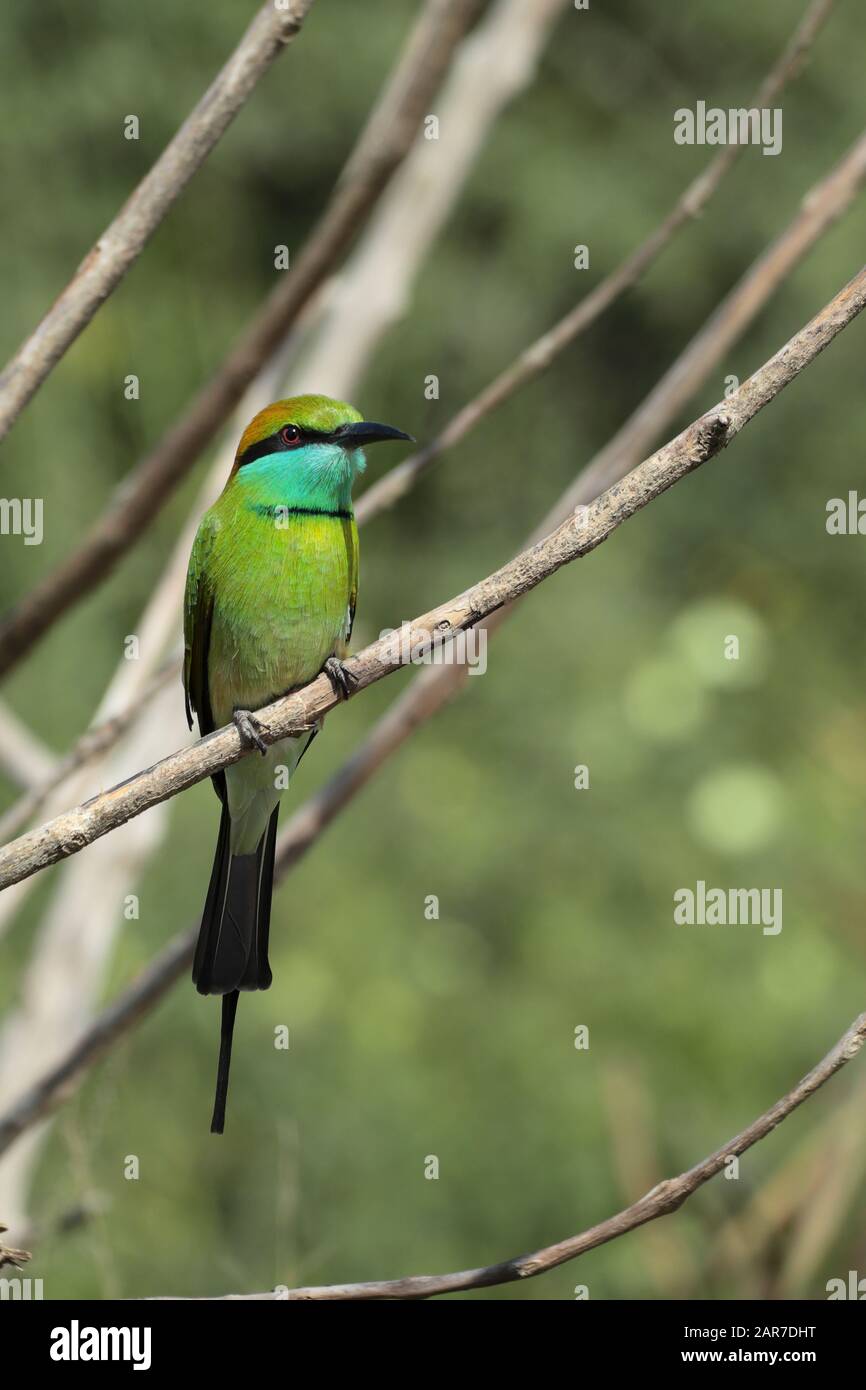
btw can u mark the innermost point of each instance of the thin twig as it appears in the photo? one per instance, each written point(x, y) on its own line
point(123, 241)
point(819, 209)
point(9, 1256)
point(536, 358)
point(578, 535)
point(381, 147)
point(496, 62)
point(662, 1200)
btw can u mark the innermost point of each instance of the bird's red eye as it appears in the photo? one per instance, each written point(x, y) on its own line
point(290, 435)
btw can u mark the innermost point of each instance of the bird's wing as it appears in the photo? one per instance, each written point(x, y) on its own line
point(197, 617)
point(353, 582)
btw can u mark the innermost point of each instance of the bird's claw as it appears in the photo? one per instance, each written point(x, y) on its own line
point(343, 680)
point(248, 727)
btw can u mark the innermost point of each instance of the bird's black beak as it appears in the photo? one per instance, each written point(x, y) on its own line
point(367, 432)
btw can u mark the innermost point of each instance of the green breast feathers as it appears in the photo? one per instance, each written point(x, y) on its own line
point(270, 595)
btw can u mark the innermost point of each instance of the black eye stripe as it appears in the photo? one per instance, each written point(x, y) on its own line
point(275, 444)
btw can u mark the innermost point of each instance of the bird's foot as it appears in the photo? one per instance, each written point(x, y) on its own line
point(248, 727)
point(343, 680)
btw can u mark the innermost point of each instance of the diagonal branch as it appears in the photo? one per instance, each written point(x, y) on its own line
point(662, 1200)
point(578, 535)
point(536, 358)
point(383, 144)
point(8, 1256)
point(820, 208)
point(496, 62)
point(123, 241)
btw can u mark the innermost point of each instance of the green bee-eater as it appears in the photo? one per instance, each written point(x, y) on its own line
point(270, 602)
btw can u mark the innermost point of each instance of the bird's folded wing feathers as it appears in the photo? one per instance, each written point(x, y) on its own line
point(197, 617)
point(353, 584)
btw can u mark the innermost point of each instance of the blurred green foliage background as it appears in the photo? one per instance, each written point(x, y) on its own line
point(456, 1037)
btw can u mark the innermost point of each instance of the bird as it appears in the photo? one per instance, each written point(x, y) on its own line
point(269, 604)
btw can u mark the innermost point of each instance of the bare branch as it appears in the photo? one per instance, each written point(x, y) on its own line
point(496, 62)
point(123, 241)
point(536, 359)
point(578, 535)
point(381, 147)
point(662, 1200)
point(820, 208)
point(8, 1256)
